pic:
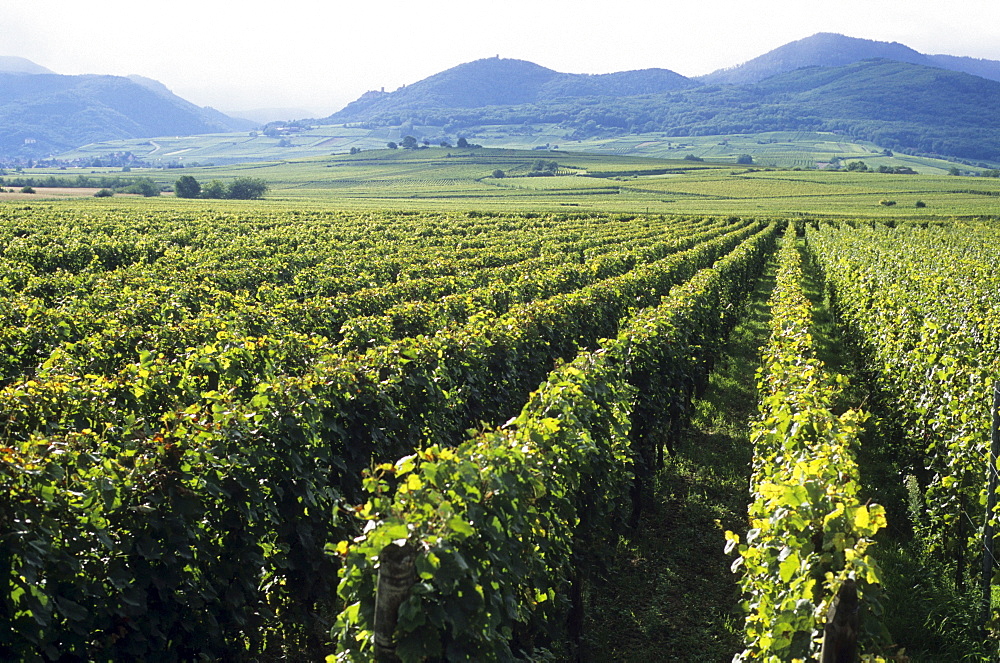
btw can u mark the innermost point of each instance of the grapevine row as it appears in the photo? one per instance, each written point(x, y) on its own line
point(921, 306)
point(202, 484)
point(498, 529)
point(809, 531)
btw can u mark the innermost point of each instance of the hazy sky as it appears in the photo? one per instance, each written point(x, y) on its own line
point(321, 54)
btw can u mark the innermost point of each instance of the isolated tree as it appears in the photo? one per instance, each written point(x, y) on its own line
point(392, 146)
point(246, 188)
point(462, 142)
point(409, 143)
point(187, 187)
point(499, 174)
point(445, 143)
point(858, 166)
point(744, 159)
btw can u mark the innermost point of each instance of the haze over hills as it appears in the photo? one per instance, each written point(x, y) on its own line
point(882, 92)
point(827, 49)
point(43, 113)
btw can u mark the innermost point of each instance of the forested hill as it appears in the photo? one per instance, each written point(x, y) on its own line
point(820, 50)
point(902, 106)
point(827, 49)
point(42, 114)
point(506, 82)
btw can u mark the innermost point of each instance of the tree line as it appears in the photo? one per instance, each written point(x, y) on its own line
point(241, 188)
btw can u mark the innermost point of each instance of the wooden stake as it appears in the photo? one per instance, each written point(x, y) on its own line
point(396, 575)
point(840, 636)
point(989, 530)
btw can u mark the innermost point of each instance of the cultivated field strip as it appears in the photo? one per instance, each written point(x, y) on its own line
point(63, 290)
point(416, 318)
point(168, 453)
point(480, 369)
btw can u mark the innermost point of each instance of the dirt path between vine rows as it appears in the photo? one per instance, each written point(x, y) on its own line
point(668, 593)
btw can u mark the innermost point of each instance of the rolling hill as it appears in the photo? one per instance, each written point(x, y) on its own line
point(44, 113)
point(10, 64)
point(827, 49)
point(874, 91)
point(506, 82)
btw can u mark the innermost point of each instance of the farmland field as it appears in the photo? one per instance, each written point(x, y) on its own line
point(459, 180)
point(226, 423)
point(782, 149)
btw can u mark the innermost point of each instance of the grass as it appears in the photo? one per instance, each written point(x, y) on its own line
point(669, 594)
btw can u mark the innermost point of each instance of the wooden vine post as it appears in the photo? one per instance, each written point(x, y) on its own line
point(989, 531)
point(396, 576)
point(840, 635)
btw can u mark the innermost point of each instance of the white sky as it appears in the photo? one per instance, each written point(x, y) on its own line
point(320, 54)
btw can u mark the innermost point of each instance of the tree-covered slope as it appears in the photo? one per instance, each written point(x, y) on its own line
point(504, 82)
point(45, 114)
point(899, 105)
point(824, 49)
point(902, 106)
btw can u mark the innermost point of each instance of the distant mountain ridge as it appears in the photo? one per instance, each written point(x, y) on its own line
point(884, 92)
point(10, 64)
point(827, 49)
point(42, 113)
point(506, 82)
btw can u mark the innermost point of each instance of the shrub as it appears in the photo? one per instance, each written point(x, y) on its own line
point(104, 193)
point(144, 186)
point(27, 189)
point(187, 187)
point(887, 203)
point(246, 188)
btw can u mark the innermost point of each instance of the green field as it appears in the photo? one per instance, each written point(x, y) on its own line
point(781, 149)
point(443, 178)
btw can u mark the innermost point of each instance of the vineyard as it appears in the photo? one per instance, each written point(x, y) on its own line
point(262, 432)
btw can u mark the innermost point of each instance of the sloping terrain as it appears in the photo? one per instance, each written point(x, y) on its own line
point(42, 114)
